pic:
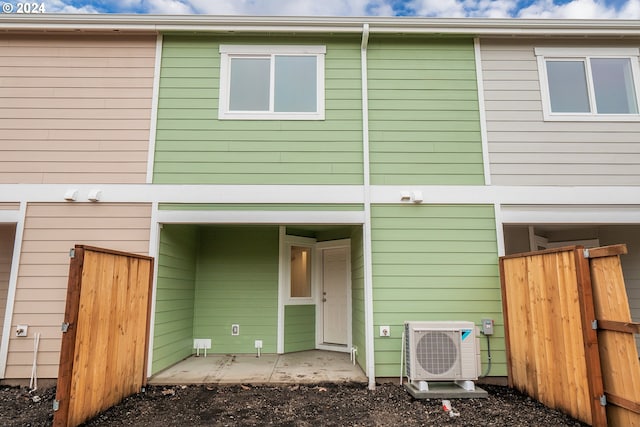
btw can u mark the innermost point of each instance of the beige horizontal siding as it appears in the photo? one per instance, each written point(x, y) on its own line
point(526, 150)
point(50, 230)
point(75, 109)
point(9, 206)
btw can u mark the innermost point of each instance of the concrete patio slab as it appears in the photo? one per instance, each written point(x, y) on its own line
point(302, 367)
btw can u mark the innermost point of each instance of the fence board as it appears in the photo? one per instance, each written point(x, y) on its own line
point(108, 307)
point(551, 298)
point(546, 350)
point(619, 355)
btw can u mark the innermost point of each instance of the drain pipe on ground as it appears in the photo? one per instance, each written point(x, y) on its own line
point(33, 384)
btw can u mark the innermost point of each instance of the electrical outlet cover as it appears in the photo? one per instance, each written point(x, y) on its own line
point(22, 330)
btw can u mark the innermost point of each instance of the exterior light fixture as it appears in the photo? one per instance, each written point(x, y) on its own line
point(71, 195)
point(95, 195)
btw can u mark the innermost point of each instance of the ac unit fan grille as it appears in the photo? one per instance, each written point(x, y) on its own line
point(437, 351)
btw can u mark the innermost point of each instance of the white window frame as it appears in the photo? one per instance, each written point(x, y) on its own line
point(309, 243)
point(227, 52)
point(585, 54)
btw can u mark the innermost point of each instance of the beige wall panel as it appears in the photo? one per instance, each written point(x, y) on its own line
point(9, 206)
point(41, 294)
point(51, 229)
point(62, 178)
point(526, 150)
point(48, 371)
point(85, 102)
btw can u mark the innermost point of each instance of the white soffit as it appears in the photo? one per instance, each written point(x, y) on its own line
point(579, 214)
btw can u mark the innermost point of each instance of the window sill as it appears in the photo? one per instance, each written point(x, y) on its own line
point(299, 301)
point(271, 116)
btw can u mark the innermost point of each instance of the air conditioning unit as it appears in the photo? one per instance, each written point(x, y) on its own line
point(442, 351)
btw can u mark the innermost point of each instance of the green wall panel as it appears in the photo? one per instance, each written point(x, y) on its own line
point(194, 147)
point(173, 328)
point(423, 110)
point(434, 262)
point(299, 328)
point(237, 283)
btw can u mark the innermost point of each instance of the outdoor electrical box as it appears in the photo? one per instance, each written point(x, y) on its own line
point(487, 326)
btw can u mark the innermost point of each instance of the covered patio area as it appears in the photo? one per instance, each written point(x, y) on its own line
point(314, 366)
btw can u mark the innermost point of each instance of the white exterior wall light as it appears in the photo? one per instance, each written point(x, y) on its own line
point(95, 195)
point(71, 195)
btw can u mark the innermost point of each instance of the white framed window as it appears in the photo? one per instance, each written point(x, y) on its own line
point(260, 82)
point(299, 270)
point(584, 84)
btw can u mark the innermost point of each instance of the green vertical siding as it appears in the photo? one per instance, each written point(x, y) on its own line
point(358, 329)
point(173, 328)
point(237, 283)
point(194, 147)
point(434, 262)
point(299, 327)
point(423, 110)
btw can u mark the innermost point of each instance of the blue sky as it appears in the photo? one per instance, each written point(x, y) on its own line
point(567, 9)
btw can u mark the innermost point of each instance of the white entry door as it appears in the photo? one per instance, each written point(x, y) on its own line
point(335, 285)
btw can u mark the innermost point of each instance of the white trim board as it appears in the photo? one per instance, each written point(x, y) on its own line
point(154, 110)
point(331, 194)
point(444, 194)
point(483, 115)
point(11, 293)
point(570, 214)
point(154, 252)
point(133, 193)
point(261, 217)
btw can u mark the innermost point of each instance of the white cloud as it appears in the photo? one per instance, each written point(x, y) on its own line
point(62, 6)
point(169, 7)
point(574, 9)
point(293, 7)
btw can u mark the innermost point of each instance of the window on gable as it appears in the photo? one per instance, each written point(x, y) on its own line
point(272, 82)
point(589, 84)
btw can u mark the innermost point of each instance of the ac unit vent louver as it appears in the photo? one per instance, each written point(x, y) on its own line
point(445, 351)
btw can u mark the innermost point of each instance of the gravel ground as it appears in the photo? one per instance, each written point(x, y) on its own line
point(294, 405)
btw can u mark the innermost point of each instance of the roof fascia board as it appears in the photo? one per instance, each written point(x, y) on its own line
point(378, 25)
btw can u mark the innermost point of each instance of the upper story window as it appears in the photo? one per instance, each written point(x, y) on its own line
point(589, 84)
point(271, 82)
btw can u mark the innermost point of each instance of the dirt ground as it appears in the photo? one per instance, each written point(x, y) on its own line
point(344, 404)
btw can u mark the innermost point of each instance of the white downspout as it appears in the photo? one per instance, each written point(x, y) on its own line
point(368, 274)
point(153, 121)
point(483, 115)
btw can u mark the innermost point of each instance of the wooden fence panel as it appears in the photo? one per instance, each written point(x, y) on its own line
point(104, 351)
point(546, 352)
point(619, 355)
